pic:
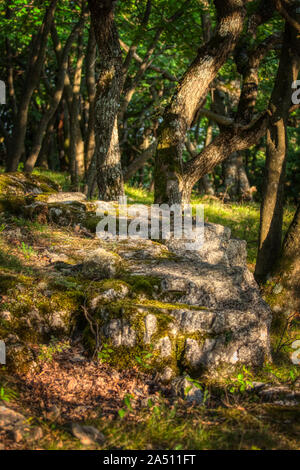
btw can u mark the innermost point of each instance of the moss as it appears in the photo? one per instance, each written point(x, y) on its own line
point(12, 204)
point(168, 306)
point(141, 284)
point(26, 297)
point(22, 184)
point(19, 359)
point(90, 222)
point(7, 281)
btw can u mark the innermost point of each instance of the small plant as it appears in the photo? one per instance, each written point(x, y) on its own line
point(127, 402)
point(48, 351)
point(143, 359)
point(242, 382)
point(2, 227)
point(7, 394)
point(27, 250)
point(293, 374)
point(105, 353)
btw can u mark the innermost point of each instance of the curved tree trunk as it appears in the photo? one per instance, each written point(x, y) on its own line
point(205, 182)
point(169, 174)
point(76, 143)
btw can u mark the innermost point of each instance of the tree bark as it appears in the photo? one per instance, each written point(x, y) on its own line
point(109, 86)
point(244, 189)
point(44, 153)
point(230, 168)
point(91, 89)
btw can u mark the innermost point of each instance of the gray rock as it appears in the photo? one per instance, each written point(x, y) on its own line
point(101, 264)
point(185, 388)
point(36, 433)
point(5, 315)
point(192, 353)
point(10, 419)
point(150, 327)
point(16, 426)
point(216, 302)
point(17, 434)
point(237, 252)
point(66, 197)
point(59, 321)
point(279, 393)
point(88, 435)
point(53, 413)
point(164, 346)
point(121, 333)
point(110, 295)
point(166, 375)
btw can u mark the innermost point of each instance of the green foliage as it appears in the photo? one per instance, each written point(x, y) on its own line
point(27, 250)
point(242, 382)
point(143, 359)
point(7, 394)
point(47, 352)
point(105, 353)
point(127, 402)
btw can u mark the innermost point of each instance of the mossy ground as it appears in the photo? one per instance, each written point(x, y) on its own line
point(234, 421)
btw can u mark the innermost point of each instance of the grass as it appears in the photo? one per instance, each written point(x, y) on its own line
point(180, 427)
point(61, 178)
point(242, 218)
point(199, 429)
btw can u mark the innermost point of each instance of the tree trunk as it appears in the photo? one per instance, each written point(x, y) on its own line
point(271, 215)
point(91, 89)
point(206, 182)
point(244, 188)
point(76, 144)
point(139, 161)
point(109, 86)
point(44, 153)
point(170, 184)
point(230, 168)
point(291, 244)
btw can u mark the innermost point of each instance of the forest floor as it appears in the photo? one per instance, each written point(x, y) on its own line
point(127, 406)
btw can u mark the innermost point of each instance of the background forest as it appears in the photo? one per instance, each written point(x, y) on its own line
point(157, 46)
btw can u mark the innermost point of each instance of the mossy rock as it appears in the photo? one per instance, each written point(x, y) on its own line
point(23, 184)
point(17, 190)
